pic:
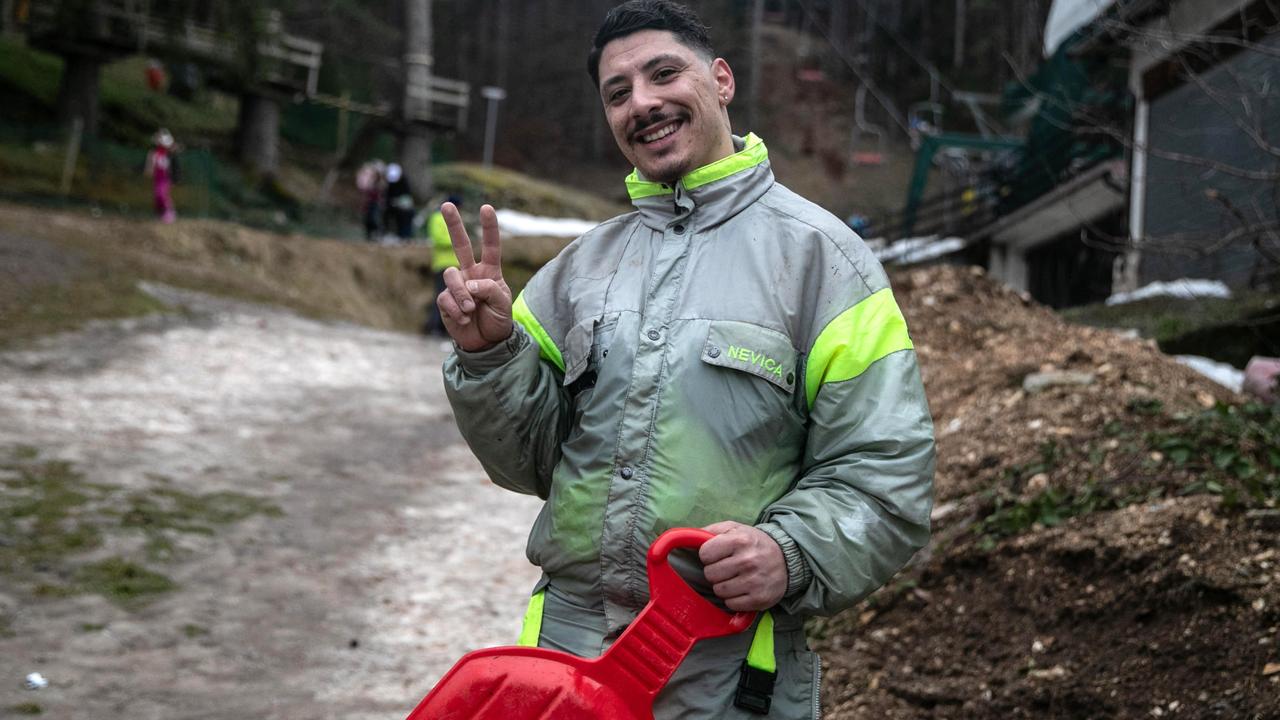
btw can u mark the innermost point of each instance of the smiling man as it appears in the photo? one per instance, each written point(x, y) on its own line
point(728, 356)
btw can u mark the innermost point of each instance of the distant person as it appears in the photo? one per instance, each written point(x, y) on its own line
point(442, 258)
point(369, 183)
point(162, 169)
point(155, 75)
point(399, 203)
point(184, 81)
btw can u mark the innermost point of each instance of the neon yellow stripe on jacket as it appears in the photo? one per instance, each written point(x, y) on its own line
point(753, 153)
point(531, 629)
point(521, 313)
point(855, 339)
point(761, 655)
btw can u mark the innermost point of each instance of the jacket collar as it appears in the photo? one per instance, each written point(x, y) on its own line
point(718, 191)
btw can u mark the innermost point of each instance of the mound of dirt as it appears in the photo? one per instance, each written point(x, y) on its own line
point(1075, 570)
point(979, 342)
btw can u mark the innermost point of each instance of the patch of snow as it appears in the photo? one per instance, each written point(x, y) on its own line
point(1221, 373)
point(514, 223)
point(914, 250)
point(1185, 288)
point(1068, 16)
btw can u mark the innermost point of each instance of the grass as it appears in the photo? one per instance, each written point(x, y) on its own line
point(100, 293)
point(160, 513)
point(130, 110)
point(51, 517)
point(29, 72)
point(137, 110)
point(516, 191)
point(1232, 451)
point(122, 582)
point(42, 515)
point(1175, 323)
point(26, 708)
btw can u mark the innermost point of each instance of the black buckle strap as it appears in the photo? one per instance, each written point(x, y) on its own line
point(755, 690)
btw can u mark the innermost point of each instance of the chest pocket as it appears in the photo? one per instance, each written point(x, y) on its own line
point(762, 352)
point(588, 350)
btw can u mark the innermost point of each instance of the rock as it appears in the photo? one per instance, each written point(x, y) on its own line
point(1057, 672)
point(1040, 381)
point(942, 510)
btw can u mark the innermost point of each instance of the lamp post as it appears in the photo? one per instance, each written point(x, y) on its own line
point(493, 95)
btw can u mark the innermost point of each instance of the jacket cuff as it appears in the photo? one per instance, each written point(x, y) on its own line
point(798, 573)
point(483, 362)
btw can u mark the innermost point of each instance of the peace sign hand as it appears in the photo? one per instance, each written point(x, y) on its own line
point(476, 303)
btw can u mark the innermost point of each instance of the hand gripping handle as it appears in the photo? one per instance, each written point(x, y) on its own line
point(669, 591)
point(639, 664)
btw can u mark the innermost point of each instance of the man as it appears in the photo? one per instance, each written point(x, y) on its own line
point(442, 258)
point(729, 356)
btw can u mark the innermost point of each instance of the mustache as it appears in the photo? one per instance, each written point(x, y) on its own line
point(656, 118)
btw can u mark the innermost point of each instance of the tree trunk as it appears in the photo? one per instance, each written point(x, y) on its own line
point(415, 160)
point(415, 139)
point(78, 91)
point(258, 134)
point(957, 55)
point(757, 67)
point(8, 25)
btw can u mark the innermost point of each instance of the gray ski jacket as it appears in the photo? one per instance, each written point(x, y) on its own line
point(728, 351)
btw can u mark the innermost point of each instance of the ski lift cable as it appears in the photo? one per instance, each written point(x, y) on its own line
point(898, 40)
point(885, 101)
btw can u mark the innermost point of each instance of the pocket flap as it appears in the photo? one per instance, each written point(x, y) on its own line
point(765, 353)
point(585, 344)
point(577, 350)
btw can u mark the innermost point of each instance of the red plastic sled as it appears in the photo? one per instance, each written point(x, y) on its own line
point(519, 683)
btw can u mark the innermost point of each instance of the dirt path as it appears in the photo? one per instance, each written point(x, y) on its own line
point(393, 554)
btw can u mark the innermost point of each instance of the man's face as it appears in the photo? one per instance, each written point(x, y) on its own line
point(665, 104)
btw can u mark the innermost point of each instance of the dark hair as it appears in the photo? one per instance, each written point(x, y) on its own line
point(636, 15)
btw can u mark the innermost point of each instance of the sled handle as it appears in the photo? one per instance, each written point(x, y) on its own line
point(670, 591)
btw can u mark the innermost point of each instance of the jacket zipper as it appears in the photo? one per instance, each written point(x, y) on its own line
point(817, 686)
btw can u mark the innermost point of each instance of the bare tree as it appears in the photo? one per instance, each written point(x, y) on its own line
point(1231, 199)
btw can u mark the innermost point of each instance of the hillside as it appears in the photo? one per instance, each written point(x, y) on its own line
point(1105, 540)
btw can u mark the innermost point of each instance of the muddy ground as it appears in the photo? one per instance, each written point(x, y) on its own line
point(332, 545)
point(228, 510)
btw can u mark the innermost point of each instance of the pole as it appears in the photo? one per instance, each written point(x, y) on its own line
point(344, 121)
point(957, 56)
point(493, 96)
point(73, 154)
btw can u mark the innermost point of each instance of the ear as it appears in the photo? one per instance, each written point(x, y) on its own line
point(725, 85)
